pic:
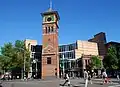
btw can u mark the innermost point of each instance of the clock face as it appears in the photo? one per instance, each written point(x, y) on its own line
point(49, 18)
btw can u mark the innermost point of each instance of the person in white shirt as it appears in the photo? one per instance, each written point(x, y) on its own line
point(118, 77)
point(86, 78)
point(104, 75)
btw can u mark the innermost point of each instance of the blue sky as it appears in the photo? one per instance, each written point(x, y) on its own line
point(79, 19)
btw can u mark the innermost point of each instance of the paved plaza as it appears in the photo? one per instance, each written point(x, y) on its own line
point(57, 82)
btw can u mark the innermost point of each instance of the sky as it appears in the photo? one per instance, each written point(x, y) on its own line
point(79, 19)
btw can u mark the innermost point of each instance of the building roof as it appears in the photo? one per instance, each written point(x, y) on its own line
point(112, 42)
point(99, 33)
point(51, 11)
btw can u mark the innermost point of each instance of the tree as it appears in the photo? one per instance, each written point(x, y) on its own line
point(111, 61)
point(7, 54)
point(13, 55)
point(96, 62)
point(21, 54)
point(4, 63)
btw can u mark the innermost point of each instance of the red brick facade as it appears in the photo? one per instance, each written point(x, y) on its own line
point(50, 60)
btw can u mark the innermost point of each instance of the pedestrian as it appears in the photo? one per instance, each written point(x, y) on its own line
point(86, 78)
point(118, 77)
point(89, 78)
point(104, 75)
point(67, 79)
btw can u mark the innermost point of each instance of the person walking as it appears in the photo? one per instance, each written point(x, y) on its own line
point(86, 78)
point(67, 79)
point(89, 78)
point(104, 75)
point(118, 77)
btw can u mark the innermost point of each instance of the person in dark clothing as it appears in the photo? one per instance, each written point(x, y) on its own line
point(67, 79)
point(89, 77)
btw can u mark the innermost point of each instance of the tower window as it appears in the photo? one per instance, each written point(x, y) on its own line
point(48, 60)
point(52, 30)
point(48, 29)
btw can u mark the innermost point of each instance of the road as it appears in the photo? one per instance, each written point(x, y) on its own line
point(96, 83)
point(57, 82)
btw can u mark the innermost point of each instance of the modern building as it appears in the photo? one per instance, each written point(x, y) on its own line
point(76, 56)
point(29, 43)
point(35, 56)
point(100, 39)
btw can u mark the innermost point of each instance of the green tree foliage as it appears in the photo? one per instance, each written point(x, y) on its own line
point(12, 56)
point(5, 58)
point(96, 62)
point(111, 61)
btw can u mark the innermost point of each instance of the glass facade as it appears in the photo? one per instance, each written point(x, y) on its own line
point(69, 47)
point(68, 51)
point(67, 56)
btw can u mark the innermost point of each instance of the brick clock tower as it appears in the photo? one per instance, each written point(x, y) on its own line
point(50, 58)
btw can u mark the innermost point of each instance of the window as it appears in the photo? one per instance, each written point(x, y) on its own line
point(48, 60)
point(66, 48)
point(46, 30)
point(70, 54)
point(63, 48)
point(32, 55)
point(86, 62)
point(52, 30)
point(66, 54)
point(60, 55)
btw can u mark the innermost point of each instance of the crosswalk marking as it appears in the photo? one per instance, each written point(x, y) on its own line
point(114, 86)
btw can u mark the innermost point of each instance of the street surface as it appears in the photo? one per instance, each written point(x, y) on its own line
point(96, 83)
point(57, 82)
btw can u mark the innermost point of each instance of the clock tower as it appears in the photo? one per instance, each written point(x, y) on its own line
point(50, 59)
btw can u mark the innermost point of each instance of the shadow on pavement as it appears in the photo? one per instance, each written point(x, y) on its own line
point(77, 86)
point(70, 85)
point(81, 82)
point(98, 83)
point(116, 82)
